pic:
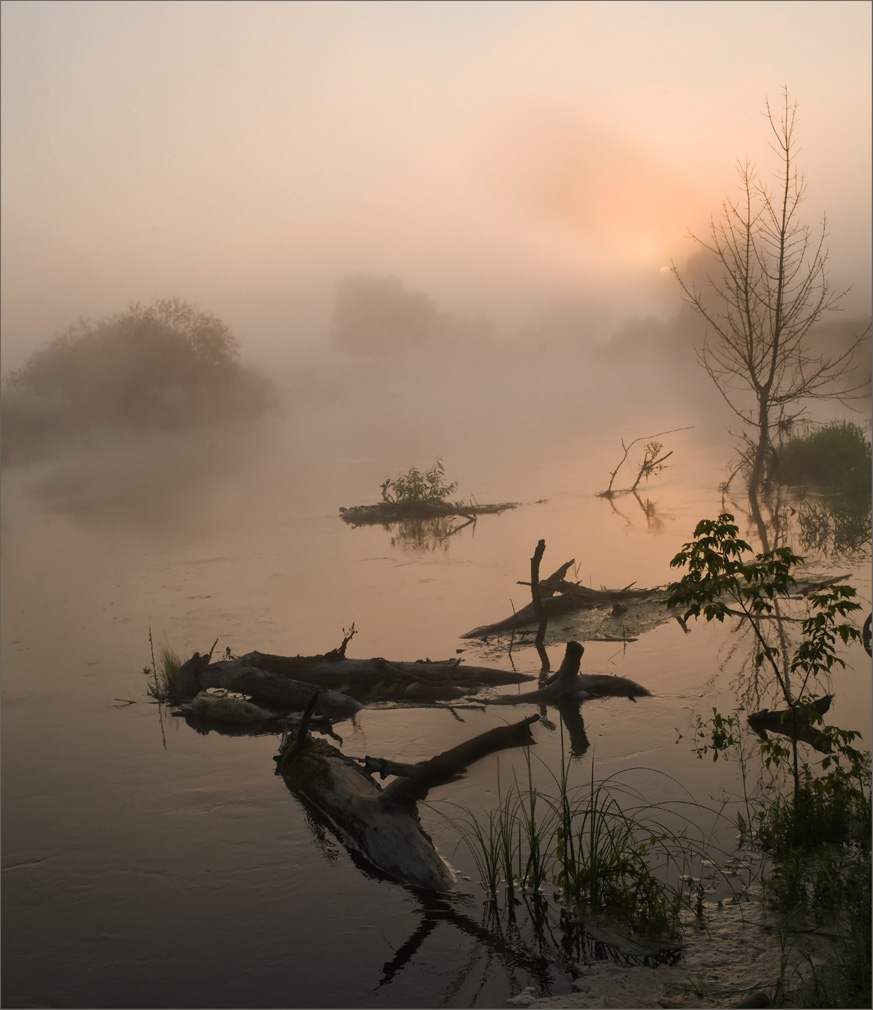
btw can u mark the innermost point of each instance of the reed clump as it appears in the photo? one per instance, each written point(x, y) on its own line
point(604, 849)
point(836, 456)
point(165, 669)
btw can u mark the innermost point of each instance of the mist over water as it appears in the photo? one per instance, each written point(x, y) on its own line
point(234, 534)
point(437, 231)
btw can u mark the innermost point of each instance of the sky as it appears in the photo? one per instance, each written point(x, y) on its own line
point(501, 157)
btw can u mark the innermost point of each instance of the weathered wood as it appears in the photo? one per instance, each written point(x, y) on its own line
point(263, 686)
point(573, 597)
point(384, 825)
point(286, 682)
point(362, 675)
point(800, 722)
point(537, 603)
point(568, 683)
point(611, 614)
point(451, 764)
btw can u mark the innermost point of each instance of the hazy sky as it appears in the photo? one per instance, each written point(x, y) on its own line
point(495, 155)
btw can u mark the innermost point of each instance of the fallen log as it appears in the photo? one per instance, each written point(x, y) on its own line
point(264, 687)
point(383, 825)
point(610, 614)
point(573, 597)
point(799, 722)
point(287, 682)
point(387, 679)
point(568, 684)
point(232, 715)
point(392, 512)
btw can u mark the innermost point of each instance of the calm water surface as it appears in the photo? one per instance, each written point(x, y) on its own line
point(146, 865)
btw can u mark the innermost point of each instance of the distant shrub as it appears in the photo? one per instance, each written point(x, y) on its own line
point(378, 316)
point(836, 456)
point(166, 366)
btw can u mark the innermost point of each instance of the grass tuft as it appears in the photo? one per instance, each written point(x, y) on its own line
point(165, 669)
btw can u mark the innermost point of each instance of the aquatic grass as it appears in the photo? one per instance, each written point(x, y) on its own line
point(533, 837)
point(604, 856)
point(606, 849)
point(165, 670)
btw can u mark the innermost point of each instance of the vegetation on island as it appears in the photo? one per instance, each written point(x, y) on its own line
point(163, 367)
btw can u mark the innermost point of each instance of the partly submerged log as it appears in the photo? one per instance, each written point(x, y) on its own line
point(383, 825)
point(559, 597)
point(286, 683)
point(568, 684)
point(392, 512)
point(800, 722)
point(610, 614)
point(267, 689)
point(381, 679)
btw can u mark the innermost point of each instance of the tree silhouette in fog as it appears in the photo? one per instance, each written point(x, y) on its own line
point(766, 291)
point(375, 316)
point(166, 366)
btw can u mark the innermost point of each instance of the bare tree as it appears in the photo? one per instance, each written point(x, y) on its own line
point(768, 288)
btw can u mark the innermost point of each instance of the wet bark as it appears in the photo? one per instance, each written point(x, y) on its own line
point(383, 825)
point(287, 682)
point(799, 722)
point(569, 685)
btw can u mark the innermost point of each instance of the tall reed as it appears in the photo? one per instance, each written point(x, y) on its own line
point(603, 847)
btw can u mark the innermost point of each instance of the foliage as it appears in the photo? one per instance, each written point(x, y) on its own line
point(836, 456)
point(818, 835)
point(768, 290)
point(166, 366)
point(416, 486)
point(718, 577)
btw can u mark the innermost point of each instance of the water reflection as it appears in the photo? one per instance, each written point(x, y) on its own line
point(655, 518)
point(421, 536)
point(838, 525)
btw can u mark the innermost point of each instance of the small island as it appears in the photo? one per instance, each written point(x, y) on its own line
point(419, 494)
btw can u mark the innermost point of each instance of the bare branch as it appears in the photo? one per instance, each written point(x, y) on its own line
point(768, 289)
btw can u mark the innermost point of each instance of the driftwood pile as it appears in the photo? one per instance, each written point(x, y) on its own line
point(380, 824)
point(614, 609)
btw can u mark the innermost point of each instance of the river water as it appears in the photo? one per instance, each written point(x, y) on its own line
point(147, 865)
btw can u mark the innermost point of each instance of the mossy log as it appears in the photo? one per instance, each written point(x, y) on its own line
point(383, 825)
point(392, 512)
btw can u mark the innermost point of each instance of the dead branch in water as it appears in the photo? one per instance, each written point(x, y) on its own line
point(383, 824)
point(537, 603)
point(651, 463)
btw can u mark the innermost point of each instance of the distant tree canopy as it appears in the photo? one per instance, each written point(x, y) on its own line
point(375, 316)
point(166, 366)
